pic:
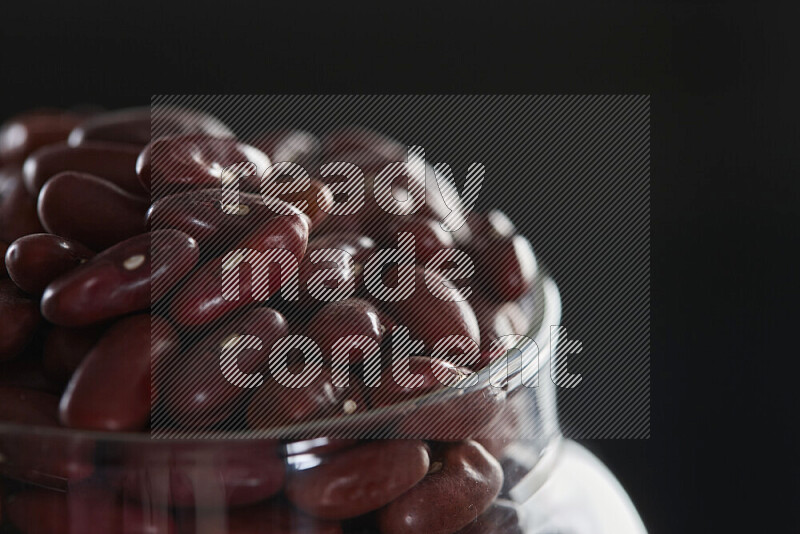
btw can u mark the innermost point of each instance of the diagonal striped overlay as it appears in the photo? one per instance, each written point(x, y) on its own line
point(571, 171)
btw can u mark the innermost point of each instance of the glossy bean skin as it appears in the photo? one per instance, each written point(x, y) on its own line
point(50, 460)
point(493, 224)
point(65, 348)
point(463, 482)
point(90, 210)
point(18, 216)
point(24, 133)
point(319, 201)
point(200, 300)
point(500, 518)
point(113, 163)
point(349, 139)
point(435, 375)
point(134, 126)
point(201, 215)
point(111, 388)
point(171, 164)
point(85, 508)
point(201, 474)
point(275, 405)
point(350, 317)
point(204, 396)
point(122, 279)
point(359, 480)
point(429, 237)
point(427, 317)
point(505, 266)
point(36, 260)
point(19, 318)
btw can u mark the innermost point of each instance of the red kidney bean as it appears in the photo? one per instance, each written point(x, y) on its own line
point(18, 215)
point(21, 135)
point(122, 279)
point(115, 164)
point(200, 300)
point(201, 474)
point(198, 394)
point(36, 260)
point(170, 164)
point(19, 317)
point(275, 405)
point(435, 375)
point(111, 388)
point(90, 210)
point(319, 201)
point(428, 317)
point(65, 348)
point(351, 317)
point(500, 518)
point(277, 518)
point(463, 481)
point(429, 238)
point(85, 508)
point(359, 480)
point(201, 215)
point(296, 146)
point(134, 126)
point(48, 459)
point(505, 266)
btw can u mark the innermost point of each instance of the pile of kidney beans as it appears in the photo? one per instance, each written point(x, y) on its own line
point(106, 279)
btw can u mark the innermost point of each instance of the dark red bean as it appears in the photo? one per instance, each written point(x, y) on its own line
point(85, 508)
point(122, 279)
point(359, 480)
point(429, 238)
point(337, 320)
point(435, 375)
point(21, 135)
point(277, 518)
point(19, 317)
point(18, 216)
point(111, 388)
point(201, 298)
point(201, 215)
point(198, 394)
point(50, 459)
point(90, 210)
point(428, 317)
point(36, 260)
point(463, 482)
point(296, 146)
point(205, 474)
point(502, 517)
point(275, 405)
point(134, 126)
point(505, 266)
point(65, 348)
point(171, 164)
point(115, 164)
point(319, 201)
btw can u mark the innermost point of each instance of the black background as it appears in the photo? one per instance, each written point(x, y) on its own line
point(725, 200)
